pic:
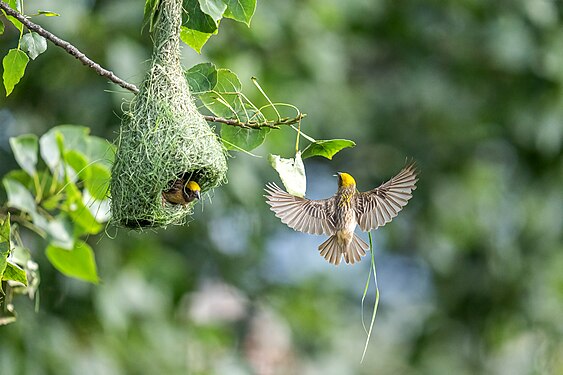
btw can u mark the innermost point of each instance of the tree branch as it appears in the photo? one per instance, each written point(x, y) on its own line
point(255, 124)
point(72, 50)
point(85, 60)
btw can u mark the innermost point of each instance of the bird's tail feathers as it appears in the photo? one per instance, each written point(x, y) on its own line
point(356, 250)
point(332, 250)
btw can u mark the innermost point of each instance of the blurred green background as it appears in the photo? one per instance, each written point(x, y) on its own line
point(470, 273)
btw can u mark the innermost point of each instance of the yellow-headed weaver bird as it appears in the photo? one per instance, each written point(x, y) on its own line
point(339, 215)
point(180, 193)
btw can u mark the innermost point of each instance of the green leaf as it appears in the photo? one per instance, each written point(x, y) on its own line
point(18, 196)
point(97, 180)
point(60, 232)
point(213, 8)
point(13, 272)
point(14, 5)
point(240, 10)
point(1, 27)
point(78, 262)
point(72, 137)
point(193, 38)
point(195, 19)
point(14, 64)
point(224, 100)
point(34, 44)
point(4, 244)
point(77, 161)
point(326, 148)
point(50, 151)
point(51, 203)
point(21, 198)
point(292, 173)
point(25, 149)
point(202, 78)
point(239, 138)
point(22, 177)
point(84, 221)
point(47, 13)
point(99, 150)
point(227, 81)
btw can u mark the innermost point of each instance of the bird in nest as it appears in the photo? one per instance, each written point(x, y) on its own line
point(339, 215)
point(182, 193)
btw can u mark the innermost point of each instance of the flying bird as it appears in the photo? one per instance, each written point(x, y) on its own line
point(339, 215)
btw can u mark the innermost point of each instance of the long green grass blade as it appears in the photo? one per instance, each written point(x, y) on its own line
point(376, 304)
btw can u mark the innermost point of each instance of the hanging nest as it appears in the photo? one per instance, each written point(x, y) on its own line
point(163, 138)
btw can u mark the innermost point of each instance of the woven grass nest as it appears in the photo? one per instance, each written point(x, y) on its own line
point(163, 138)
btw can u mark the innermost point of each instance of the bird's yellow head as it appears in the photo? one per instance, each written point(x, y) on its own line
point(345, 180)
point(194, 186)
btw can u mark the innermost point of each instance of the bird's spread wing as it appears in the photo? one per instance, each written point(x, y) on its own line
point(302, 214)
point(379, 206)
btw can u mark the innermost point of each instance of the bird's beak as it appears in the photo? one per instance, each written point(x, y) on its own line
point(198, 194)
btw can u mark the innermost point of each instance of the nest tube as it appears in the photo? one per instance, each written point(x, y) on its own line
point(162, 138)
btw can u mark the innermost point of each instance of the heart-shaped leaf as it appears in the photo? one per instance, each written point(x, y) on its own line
point(34, 44)
point(14, 64)
point(60, 138)
point(195, 19)
point(236, 138)
point(240, 10)
point(213, 8)
point(326, 148)
point(202, 78)
point(25, 149)
point(194, 38)
point(18, 196)
point(78, 262)
point(224, 100)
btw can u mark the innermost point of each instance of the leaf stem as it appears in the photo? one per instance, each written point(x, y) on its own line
point(310, 139)
point(38, 188)
point(255, 81)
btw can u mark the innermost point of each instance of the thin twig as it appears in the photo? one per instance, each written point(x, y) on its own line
point(85, 60)
point(256, 124)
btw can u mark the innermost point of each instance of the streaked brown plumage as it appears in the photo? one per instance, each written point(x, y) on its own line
point(182, 193)
point(339, 215)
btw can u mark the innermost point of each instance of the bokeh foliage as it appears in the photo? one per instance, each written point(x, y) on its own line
point(470, 272)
